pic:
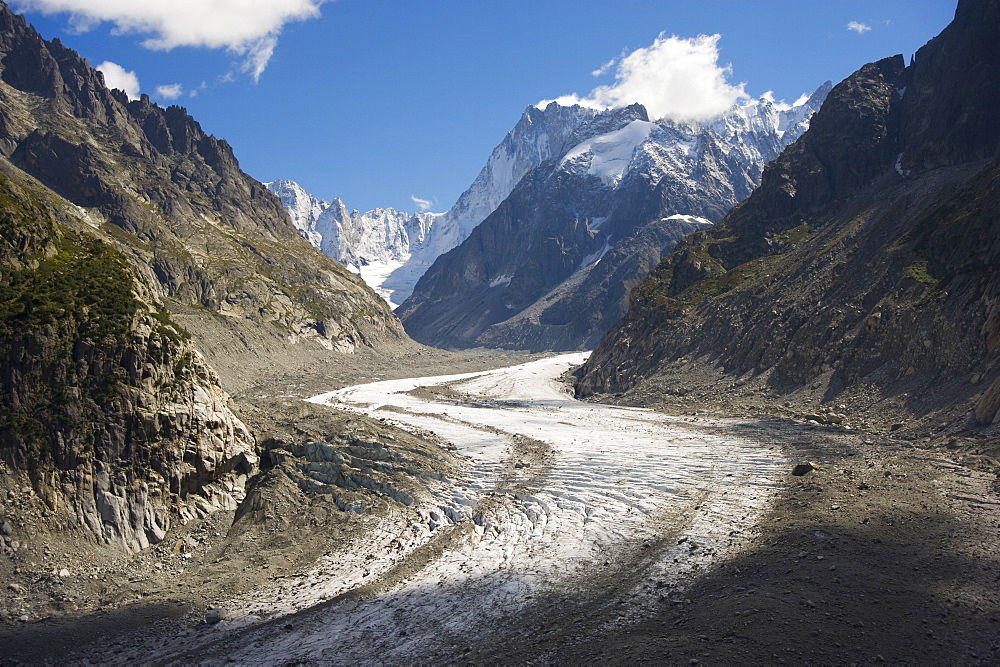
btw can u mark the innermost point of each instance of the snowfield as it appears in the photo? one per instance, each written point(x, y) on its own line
point(561, 499)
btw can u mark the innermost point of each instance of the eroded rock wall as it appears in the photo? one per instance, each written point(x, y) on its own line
point(109, 413)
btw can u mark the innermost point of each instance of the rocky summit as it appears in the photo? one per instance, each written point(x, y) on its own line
point(865, 270)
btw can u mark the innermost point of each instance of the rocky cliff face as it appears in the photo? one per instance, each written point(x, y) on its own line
point(118, 218)
point(109, 413)
point(866, 263)
point(549, 268)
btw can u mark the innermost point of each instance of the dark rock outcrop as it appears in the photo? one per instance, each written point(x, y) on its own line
point(867, 259)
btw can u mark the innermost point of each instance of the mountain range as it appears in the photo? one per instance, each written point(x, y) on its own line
point(392, 249)
point(655, 182)
point(550, 267)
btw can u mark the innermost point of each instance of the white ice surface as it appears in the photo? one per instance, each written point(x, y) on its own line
point(609, 154)
point(376, 274)
point(595, 258)
point(620, 477)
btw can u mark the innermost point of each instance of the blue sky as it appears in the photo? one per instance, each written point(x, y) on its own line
point(381, 101)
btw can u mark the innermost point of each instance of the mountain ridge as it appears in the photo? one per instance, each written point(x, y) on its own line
point(394, 268)
point(863, 269)
point(138, 166)
point(391, 249)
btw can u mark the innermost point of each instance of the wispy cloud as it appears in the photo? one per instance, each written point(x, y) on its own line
point(116, 76)
point(249, 30)
point(422, 204)
point(673, 78)
point(605, 68)
point(170, 91)
point(194, 91)
point(858, 27)
point(782, 105)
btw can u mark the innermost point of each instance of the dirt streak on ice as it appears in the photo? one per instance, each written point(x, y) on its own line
point(616, 481)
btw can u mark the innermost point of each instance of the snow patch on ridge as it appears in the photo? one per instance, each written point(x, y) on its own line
point(608, 155)
point(693, 219)
point(595, 258)
point(899, 166)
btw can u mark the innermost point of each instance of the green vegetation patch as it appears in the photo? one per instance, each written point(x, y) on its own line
point(166, 327)
point(795, 235)
point(918, 271)
point(318, 305)
point(82, 293)
point(921, 272)
point(905, 238)
point(708, 262)
point(653, 291)
point(26, 225)
point(85, 280)
point(717, 285)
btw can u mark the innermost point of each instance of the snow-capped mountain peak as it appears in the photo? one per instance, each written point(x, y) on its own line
point(303, 208)
point(392, 249)
point(373, 244)
point(551, 268)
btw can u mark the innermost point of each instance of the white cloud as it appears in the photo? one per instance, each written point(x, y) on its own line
point(258, 54)
point(674, 78)
point(782, 105)
point(247, 28)
point(116, 76)
point(170, 91)
point(422, 204)
point(603, 69)
point(860, 28)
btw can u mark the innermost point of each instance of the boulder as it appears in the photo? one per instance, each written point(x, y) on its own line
point(803, 468)
point(988, 406)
